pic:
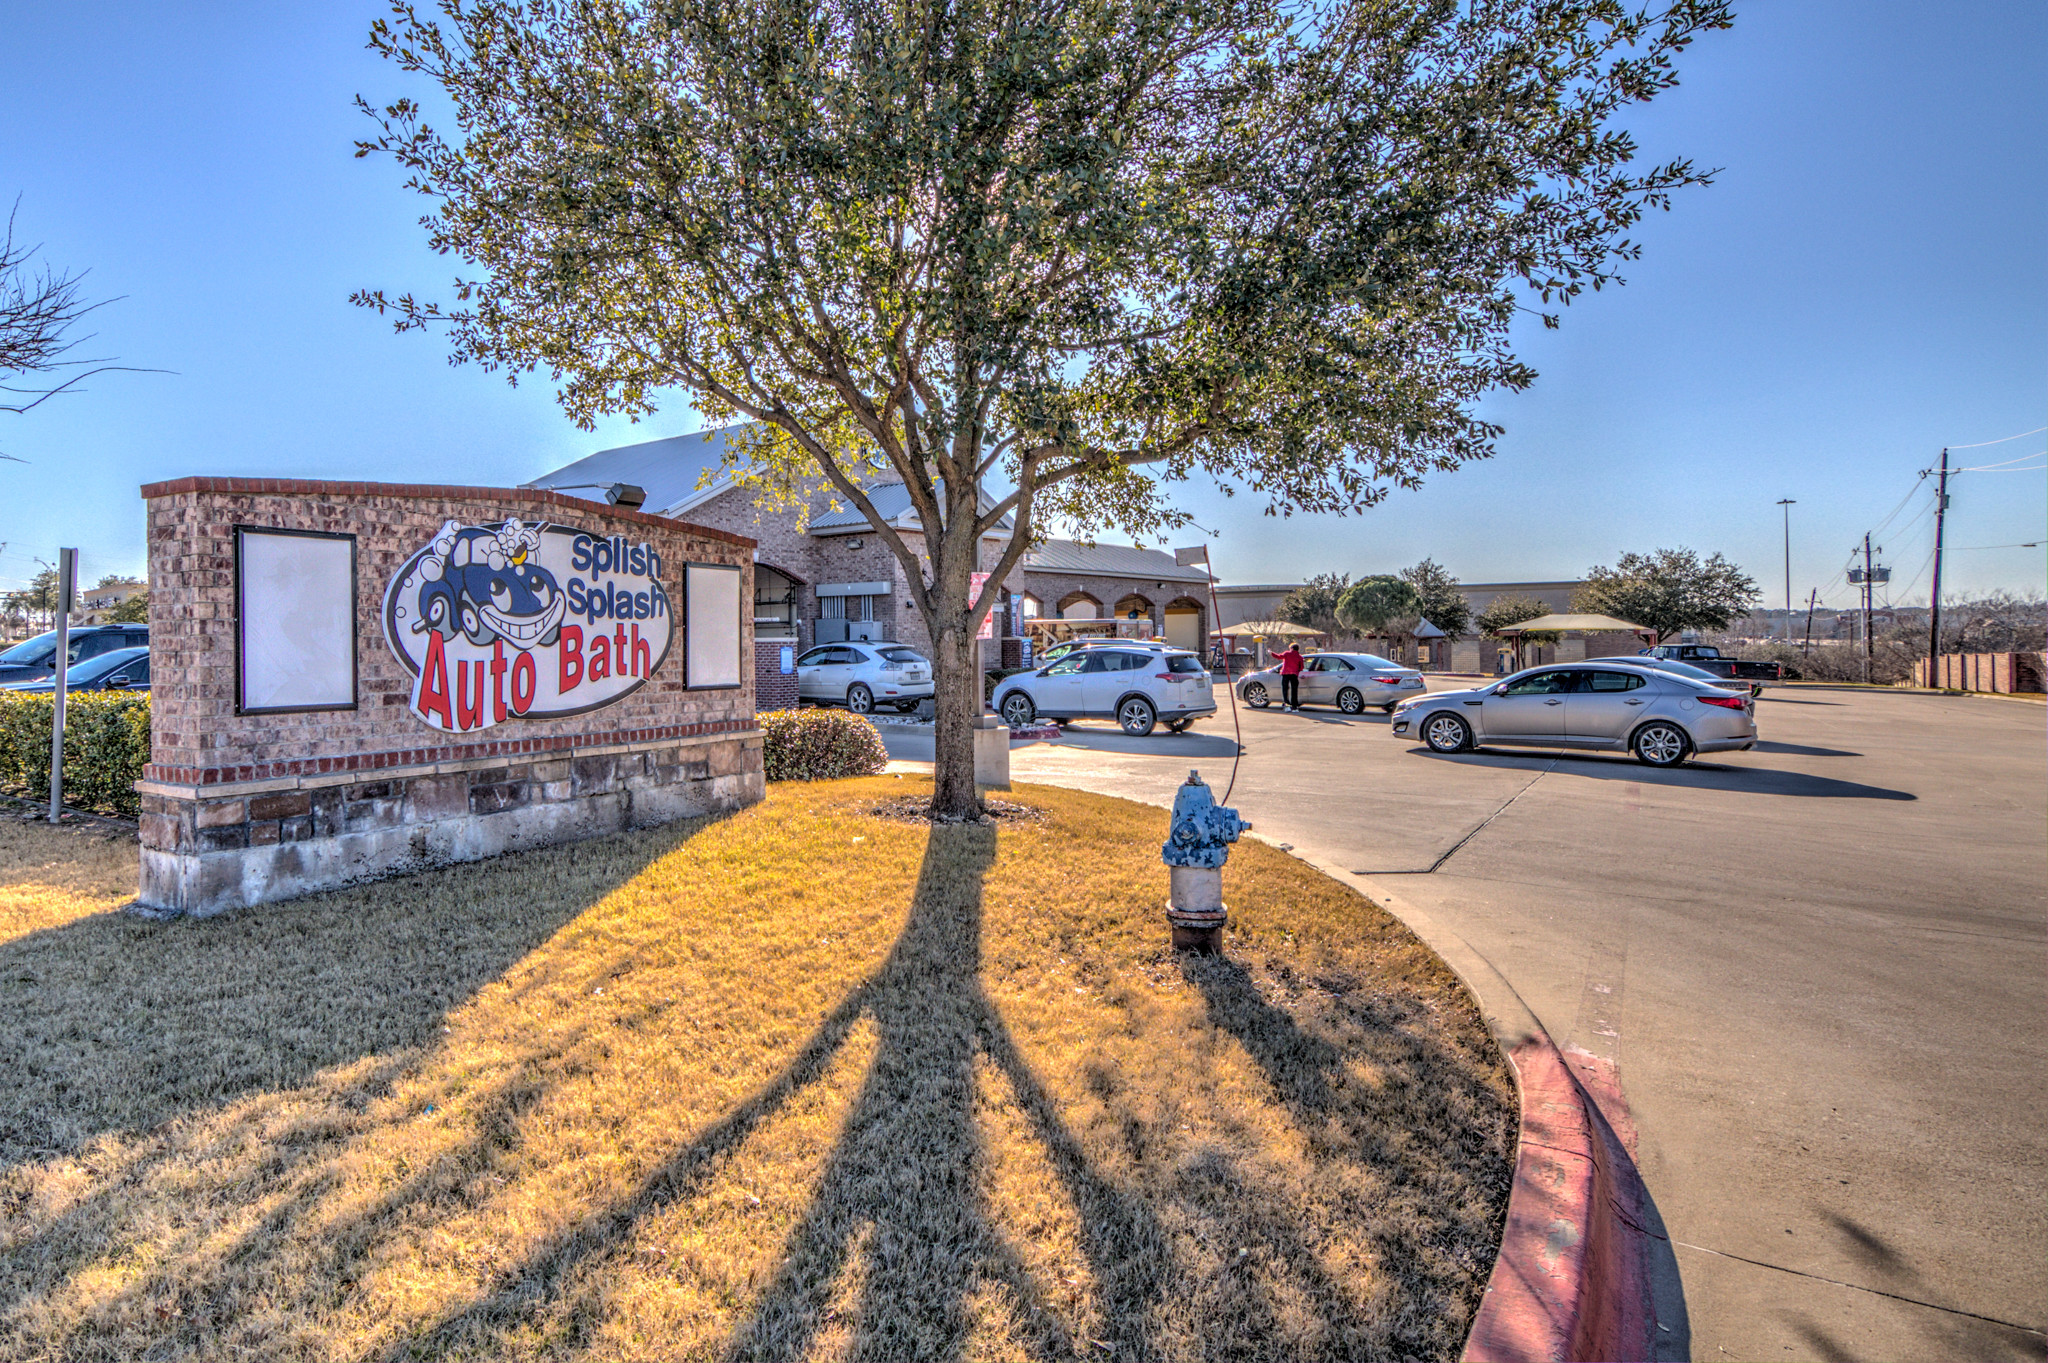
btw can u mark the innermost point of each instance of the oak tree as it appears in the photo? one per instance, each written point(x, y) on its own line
point(1669, 590)
point(1035, 262)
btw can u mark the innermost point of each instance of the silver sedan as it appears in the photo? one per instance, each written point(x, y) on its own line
point(1661, 718)
point(1349, 681)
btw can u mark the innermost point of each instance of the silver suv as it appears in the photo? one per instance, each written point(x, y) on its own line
point(861, 675)
point(1138, 686)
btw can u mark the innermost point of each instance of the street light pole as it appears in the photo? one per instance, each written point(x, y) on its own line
point(1788, 503)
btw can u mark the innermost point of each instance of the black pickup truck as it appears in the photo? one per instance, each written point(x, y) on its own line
point(1709, 659)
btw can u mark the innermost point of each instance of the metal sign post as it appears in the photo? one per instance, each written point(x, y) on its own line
point(67, 586)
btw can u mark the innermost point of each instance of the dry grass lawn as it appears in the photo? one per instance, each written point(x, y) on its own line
point(801, 1083)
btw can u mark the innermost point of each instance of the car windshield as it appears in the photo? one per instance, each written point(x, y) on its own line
point(1184, 662)
point(902, 655)
point(34, 652)
point(1375, 660)
point(92, 669)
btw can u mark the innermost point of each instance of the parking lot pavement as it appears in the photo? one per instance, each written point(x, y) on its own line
point(1816, 968)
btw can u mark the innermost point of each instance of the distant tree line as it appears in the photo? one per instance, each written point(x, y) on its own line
point(1667, 590)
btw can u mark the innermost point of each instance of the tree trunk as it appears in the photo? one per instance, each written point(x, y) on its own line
point(956, 701)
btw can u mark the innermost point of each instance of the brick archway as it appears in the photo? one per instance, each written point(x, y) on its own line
point(1074, 599)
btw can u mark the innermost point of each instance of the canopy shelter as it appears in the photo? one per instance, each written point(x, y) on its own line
point(1265, 629)
point(1259, 631)
point(1572, 624)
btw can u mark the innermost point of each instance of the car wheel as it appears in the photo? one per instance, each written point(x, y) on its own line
point(1388, 708)
point(1255, 695)
point(1018, 711)
point(473, 626)
point(1447, 733)
point(1178, 726)
point(859, 699)
point(1137, 716)
point(1660, 745)
point(1350, 701)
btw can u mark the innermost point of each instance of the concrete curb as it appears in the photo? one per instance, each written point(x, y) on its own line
point(1573, 1277)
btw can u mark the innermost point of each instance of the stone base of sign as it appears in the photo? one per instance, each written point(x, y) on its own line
point(209, 849)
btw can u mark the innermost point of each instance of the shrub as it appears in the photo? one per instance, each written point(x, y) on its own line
point(819, 745)
point(106, 745)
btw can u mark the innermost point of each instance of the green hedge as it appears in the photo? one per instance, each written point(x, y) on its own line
point(106, 744)
point(818, 745)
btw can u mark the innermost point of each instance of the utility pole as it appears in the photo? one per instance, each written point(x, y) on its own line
point(1788, 503)
point(67, 583)
point(1811, 602)
point(1934, 601)
point(1868, 577)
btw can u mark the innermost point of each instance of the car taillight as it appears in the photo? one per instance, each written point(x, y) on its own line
point(1726, 702)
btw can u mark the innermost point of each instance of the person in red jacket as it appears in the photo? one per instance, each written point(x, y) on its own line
point(1290, 677)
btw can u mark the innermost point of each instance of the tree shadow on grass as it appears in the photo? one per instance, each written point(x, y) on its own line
point(900, 1191)
point(118, 1023)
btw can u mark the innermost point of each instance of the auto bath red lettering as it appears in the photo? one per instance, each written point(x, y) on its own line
point(599, 664)
point(525, 677)
point(469, 714)
point(497, 681)
point(430, 688)
point(569, 659)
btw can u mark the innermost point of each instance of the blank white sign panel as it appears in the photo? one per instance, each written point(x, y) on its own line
point(297, 619)
point(712, 642)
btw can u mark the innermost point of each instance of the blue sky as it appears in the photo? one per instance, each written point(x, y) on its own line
point(1866, 283)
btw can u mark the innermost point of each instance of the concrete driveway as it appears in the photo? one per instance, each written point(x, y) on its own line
point(1817, 970)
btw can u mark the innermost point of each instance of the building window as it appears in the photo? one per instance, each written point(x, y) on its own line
point(1030, 605)
point(774, 604)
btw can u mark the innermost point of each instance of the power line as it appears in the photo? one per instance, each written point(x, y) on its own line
point(1986, 468)
point(2001, 440)
point(1962, 548)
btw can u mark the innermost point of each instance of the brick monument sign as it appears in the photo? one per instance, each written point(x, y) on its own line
point(355, 679)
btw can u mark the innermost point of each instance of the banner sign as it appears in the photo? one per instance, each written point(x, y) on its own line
point(512, 621)
point(975, 582)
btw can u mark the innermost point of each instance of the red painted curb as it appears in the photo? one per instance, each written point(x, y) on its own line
point(1572, 1280)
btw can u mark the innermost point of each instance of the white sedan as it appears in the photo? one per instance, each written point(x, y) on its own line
point(861, 675)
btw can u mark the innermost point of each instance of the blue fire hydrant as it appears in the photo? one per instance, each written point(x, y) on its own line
point(1197, 844)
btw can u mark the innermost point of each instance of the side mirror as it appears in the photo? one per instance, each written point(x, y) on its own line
point(1501, 690)
point(118, 683)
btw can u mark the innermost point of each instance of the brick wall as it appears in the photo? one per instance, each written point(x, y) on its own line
point(822, 559)
point(244, 808)
point(2004, 673)
point(774, 689)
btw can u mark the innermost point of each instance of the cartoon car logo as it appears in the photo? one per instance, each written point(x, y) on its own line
point(487, 585)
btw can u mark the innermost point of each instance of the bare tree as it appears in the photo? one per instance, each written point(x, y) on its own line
point(39, 306)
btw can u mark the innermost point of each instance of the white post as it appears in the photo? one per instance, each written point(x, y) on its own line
point(67, 583)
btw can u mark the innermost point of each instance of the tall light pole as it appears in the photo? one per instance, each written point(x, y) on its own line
point(1788, 503)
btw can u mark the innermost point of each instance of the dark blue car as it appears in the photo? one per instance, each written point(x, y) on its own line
point(125, 669)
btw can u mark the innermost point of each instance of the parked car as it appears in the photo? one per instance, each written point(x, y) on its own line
point(1137, 685)
point(1677, 669)
point(1660, 717)
point(1349, 681)
point(125, 669)
point(860, 675)
point(1756, 676)
point(1054, 652)
point(35, 659)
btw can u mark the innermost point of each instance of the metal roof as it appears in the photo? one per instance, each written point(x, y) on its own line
point(672, 470)
point(1108, 560)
